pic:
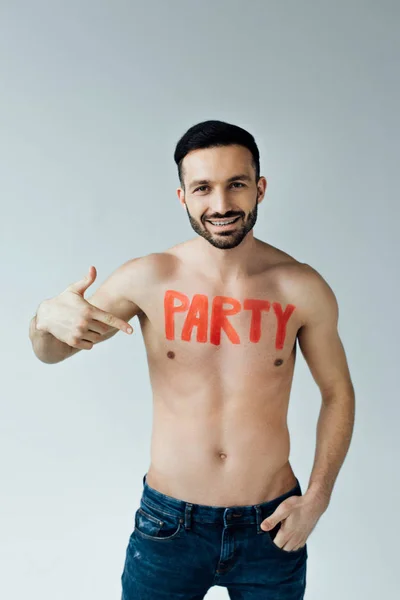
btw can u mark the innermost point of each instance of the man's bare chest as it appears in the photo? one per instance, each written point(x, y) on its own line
point(250, 323)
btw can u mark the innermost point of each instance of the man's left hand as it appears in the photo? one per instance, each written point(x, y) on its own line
point(299, 515)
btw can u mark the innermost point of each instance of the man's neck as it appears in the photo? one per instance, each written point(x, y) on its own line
point(227, 265)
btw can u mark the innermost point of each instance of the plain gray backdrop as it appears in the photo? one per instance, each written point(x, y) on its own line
point(94, 96)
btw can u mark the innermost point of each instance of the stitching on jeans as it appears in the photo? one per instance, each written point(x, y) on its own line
point(154, 519)
point(159, 539)
point(157, 508)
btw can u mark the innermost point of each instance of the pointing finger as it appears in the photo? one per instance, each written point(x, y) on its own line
point(110, 319)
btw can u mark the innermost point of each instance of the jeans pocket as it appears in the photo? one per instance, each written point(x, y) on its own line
point(270, 536)
point(153, 523)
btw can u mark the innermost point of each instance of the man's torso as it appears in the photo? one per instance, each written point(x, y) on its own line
point(221, 359)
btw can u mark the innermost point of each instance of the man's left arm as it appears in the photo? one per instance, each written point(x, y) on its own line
point(323, 351)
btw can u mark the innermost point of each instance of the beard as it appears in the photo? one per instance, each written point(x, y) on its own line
point(226, 239)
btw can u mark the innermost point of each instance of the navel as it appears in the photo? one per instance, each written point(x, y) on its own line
point(278, 362)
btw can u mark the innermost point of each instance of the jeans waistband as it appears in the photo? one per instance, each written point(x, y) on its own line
point(250, 513)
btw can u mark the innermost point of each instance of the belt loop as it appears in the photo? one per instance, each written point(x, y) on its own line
point(258, 518)
point(188, 515)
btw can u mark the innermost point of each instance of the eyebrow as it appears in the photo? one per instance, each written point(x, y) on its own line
point(207, 181)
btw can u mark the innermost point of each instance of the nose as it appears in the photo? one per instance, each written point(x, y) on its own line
point(219, 205)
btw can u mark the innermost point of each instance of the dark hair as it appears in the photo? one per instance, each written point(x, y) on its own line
point(209, 134)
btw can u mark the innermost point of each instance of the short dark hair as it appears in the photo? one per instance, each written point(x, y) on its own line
point(209, 134)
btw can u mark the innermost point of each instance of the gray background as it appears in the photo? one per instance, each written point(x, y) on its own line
point(94, 96)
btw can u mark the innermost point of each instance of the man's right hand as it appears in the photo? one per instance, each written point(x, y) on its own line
point(73, 320)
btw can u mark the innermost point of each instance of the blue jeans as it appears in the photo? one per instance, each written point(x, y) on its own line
point(179, 550)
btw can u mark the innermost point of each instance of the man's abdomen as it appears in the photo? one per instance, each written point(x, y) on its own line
point(221, 453)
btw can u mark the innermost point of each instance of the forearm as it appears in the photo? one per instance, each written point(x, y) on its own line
point(334, 433)
point(46, 347)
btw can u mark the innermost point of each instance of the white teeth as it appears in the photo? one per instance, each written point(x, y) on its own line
point(223, 222)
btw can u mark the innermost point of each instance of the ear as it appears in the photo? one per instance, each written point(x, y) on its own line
point(181, 197)
point(261, 189)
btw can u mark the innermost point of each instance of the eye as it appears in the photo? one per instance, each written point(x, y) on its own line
point(204, 186)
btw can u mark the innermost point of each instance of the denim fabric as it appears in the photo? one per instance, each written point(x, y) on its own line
point(179, 550)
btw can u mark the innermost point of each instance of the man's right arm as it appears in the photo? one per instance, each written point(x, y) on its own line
point(114, 295)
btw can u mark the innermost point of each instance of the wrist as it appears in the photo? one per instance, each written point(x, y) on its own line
point(318, 494)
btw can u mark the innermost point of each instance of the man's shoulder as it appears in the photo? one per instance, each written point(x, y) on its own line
point(149, 267)
point(289, 270)
point(297, 274)
point(306, 288)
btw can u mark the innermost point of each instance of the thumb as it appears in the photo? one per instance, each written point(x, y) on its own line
point(281, 513)
point(80, 287)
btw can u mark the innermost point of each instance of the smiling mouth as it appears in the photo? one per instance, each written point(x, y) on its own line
point(223, 225)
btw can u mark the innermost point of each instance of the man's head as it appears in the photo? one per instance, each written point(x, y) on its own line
point(218, 168)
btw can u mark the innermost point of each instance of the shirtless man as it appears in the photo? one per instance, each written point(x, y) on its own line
point(220, 315)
